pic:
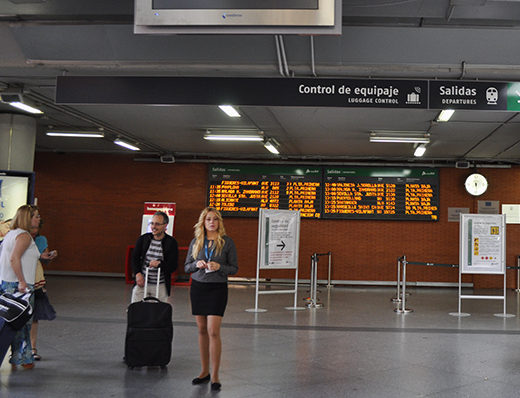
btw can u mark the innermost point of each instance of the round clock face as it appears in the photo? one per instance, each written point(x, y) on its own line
point(476, 184)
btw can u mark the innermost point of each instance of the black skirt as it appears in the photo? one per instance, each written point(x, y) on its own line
point(208, 298)
point(43, 310)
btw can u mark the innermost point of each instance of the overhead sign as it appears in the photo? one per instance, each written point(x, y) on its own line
point(242, 91)
point(457, 94)
point(366, 93)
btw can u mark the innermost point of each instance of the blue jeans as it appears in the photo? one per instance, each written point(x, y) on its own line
point(21, 348)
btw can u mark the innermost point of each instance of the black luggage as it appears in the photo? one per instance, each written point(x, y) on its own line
point(149, 331)
point(6, 338)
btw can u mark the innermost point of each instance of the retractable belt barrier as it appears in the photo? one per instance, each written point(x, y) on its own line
point(401, 282)
point(313, 301)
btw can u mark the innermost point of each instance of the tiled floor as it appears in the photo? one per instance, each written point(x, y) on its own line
point(356, 346)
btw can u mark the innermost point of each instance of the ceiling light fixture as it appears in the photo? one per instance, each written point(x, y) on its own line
point(15, 99)
point(272, 145)
point(234, 135)
point(445, 115)
point(126, 145)
point(229, 110)
point(78, 134)
point(420, 150)
point(418, 137)
point(26, 108)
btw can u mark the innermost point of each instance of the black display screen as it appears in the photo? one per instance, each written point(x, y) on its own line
point(235, 4)
point(243, 190)
point(326, 192)
point(381, 193)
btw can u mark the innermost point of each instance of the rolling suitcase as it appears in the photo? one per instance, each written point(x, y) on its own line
point(149, 331)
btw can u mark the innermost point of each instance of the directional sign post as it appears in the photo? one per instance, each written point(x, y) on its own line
point(278, 246)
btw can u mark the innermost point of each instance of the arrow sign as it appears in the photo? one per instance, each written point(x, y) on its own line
point(282, 245)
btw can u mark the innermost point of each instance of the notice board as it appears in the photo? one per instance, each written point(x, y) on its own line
point(482, 243)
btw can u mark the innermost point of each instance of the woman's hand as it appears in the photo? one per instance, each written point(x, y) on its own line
point(22, 287)
point(201, 264)
point(46, 255)
point(213, 266)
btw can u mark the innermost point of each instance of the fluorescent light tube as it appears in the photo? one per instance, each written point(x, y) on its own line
point(400, 139)
point(126, 145)
point(271, 146)
point(419, 151)
point(25, 107)
point(445, 115)
point(234, 136)
point(79, 134)
point(229, 110)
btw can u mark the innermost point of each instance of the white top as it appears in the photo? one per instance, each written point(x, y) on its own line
point(29, 258)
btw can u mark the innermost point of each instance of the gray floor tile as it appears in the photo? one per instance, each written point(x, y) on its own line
point(356, 346)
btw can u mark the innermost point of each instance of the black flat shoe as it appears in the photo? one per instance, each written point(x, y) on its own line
point(215, 386)
point(200, 380)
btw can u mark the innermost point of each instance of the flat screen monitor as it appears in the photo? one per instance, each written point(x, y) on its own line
point(238, 16)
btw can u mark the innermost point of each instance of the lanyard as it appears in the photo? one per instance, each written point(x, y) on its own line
point(206, 244)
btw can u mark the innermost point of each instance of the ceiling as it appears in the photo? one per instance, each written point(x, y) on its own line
point(384, 39)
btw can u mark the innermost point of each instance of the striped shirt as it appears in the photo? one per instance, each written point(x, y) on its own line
point(154, 252)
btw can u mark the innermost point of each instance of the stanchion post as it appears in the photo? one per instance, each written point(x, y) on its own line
point(403, 309)
point(330, 271)
point(314, 283)
point(517, 274)
point(397, 298)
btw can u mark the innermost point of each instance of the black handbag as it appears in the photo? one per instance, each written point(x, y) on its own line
point(16, 310)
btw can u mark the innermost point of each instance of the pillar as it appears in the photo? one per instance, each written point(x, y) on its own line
point(17, 142)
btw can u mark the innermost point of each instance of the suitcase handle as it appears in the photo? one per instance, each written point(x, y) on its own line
point(146, 282)
point(152, 299)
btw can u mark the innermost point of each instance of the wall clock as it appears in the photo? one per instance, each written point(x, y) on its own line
point(476, 184)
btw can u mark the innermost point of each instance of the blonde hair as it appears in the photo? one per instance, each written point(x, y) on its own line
point(22, 218)
point(200, 232)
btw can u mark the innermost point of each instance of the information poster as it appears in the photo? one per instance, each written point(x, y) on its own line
point(13, 194)
point(279, 236)
point(482, 244)
point(150, 208)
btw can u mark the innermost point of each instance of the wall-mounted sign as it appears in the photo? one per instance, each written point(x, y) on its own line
point(455, 212)
point(512, 213)
point(488, 207)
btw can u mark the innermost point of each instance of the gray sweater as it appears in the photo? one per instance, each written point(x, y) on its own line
point(227, 260)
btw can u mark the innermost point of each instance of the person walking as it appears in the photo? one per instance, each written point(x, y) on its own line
point(18, 261)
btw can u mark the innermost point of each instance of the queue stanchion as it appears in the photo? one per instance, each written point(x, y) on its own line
point(403, 309)
point(517, 274)
point(313, 303)
point(397, 298)
point(309, 298)
point(330, 271)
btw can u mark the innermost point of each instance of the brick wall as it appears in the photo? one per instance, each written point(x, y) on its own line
point(92, 207)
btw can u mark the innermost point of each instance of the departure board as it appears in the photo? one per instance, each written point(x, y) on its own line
point(242, 190)
point(381, 193)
